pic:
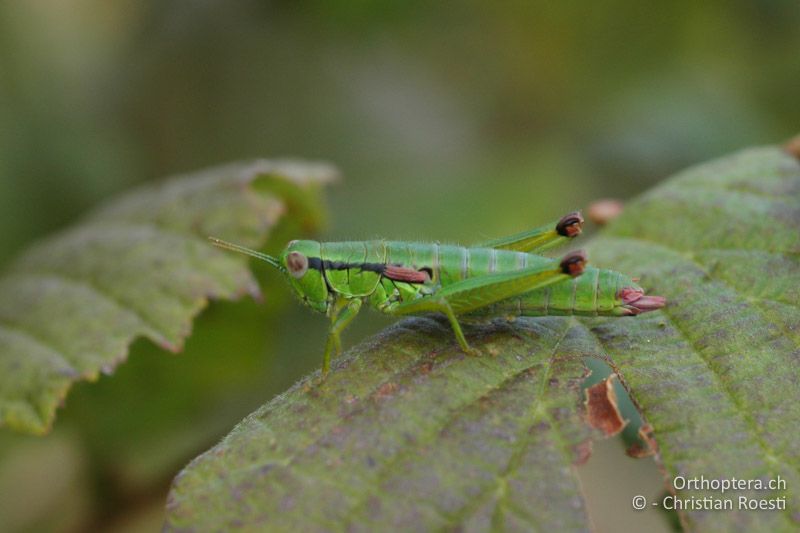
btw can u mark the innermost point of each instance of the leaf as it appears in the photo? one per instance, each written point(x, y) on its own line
point(716, 373)
point(140, 266)
point(408, 432)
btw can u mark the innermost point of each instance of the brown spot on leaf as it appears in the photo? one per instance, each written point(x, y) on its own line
point(425, 367)
point(646, 446)
point(793, 146)
point(386, 390)
point(602, 411)
point(601, 212)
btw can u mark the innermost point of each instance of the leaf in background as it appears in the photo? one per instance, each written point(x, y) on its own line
point(140, 266)
point(409, 432)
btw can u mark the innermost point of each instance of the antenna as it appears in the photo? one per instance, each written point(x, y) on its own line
point(246, 251)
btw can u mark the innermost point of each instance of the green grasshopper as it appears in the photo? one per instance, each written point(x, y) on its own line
point(504, 277)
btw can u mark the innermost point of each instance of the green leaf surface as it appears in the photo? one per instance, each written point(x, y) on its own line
point(719, 374)
point(140, 266)
point(409, 432)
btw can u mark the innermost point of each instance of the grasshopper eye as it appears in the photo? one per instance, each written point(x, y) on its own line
point(297, 264)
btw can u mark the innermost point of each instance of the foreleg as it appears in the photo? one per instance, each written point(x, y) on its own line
point(343, 312)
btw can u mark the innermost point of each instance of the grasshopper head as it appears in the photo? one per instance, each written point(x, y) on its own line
point(300, 263)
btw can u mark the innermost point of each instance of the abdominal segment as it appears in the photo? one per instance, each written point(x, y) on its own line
point(592, 294)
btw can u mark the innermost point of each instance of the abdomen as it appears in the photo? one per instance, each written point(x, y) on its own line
point(450, 263)
point(591, 294)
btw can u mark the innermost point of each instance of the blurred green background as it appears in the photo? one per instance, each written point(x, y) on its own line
point(449, 121)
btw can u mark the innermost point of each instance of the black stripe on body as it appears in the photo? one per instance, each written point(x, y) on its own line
point(378, 268)
point(318, 264)
point(463, 258)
